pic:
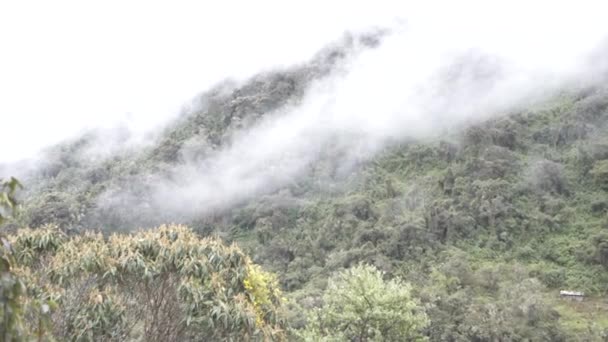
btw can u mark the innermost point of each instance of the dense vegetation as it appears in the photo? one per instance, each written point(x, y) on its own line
point(165, 284)
point(466, 236)
point(11, 287)
point(359, 305)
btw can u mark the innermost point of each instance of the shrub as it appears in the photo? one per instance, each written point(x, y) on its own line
point(156, 285)
point(359, 305)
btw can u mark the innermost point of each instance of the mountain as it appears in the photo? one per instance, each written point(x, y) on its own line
point(488, 220)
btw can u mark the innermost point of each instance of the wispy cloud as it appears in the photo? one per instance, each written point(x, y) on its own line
point(71, 65)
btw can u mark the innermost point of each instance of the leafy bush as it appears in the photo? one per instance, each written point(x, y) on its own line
point(11, 286)
point(157, 285)
point(359, 305)
point(8, 202)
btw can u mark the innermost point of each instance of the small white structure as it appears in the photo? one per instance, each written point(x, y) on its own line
point(573, 295)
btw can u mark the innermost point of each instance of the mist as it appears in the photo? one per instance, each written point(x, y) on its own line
point(69, 67)
point(425, 79)
point(436, 68)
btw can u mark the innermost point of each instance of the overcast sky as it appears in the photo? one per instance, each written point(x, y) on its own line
point(67, 65)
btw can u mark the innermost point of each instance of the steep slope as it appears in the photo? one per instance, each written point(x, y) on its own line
point(79, 185)
point(488, 222)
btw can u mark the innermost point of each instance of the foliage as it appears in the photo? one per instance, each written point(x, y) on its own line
point(11, 287)
point(156, 285)
point(11, 290)
point(600, 173)
point(8, 202)
point(359, 305)
point(521, 193)
point(489, 303)
point(100, 317)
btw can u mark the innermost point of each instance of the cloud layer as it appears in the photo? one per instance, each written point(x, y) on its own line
point(71, 66)
point(421, 81)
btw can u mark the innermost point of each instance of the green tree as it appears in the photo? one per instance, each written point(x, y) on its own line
point(600, 244)
point(8, 203)
point(164, 284)
point(359, 305)
point(11, 287)
point(600, 173)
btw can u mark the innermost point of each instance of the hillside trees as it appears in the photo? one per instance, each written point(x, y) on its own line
point(527, 189)
point(600, 173)
point(488, 303)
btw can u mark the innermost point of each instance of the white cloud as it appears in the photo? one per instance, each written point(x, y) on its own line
point(66, 65)
point(396, 91)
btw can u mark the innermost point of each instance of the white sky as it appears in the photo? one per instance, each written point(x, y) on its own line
point(67, 65)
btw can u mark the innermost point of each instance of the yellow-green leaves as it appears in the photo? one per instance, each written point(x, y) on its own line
point(160, 284)
point(8, 203)
point(359, 305)
point(30, 244)
point(11, 286)
point(600, 173)
point(263, 291)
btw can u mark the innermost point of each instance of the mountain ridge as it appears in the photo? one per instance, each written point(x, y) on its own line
point(466, 216)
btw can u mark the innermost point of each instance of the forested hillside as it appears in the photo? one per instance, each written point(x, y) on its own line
point(477, 227)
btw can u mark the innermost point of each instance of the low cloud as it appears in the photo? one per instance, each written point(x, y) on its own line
point(413, 85)
point(436, 68)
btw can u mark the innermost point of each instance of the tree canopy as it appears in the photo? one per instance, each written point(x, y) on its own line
point(164, 284)
point(359, 305)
